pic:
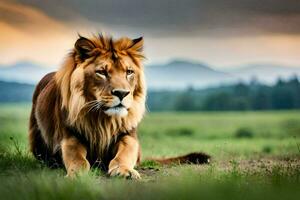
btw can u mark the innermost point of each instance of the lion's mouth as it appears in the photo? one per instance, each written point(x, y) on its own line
point(119, 106)
point(119, 110)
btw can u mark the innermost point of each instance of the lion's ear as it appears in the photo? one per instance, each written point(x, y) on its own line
point(137, 44)
point(84, 47)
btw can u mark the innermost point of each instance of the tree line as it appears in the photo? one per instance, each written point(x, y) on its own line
point(285, 94)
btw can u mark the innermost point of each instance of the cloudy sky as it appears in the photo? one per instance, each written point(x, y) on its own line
point(223, 34)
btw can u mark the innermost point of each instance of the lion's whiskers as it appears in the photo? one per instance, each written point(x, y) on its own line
point(94, 105)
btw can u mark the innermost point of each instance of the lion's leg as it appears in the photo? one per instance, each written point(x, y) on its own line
point(125, 159)
point(74, 156)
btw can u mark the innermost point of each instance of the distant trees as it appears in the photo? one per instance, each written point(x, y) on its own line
point(240, 96)
point(186, 101)
point(15, 92)
point(285, 95)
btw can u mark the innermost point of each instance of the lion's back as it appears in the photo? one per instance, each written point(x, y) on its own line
point(42, 84)
point(42, 118)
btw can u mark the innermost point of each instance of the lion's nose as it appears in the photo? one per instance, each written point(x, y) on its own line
point(120, 93)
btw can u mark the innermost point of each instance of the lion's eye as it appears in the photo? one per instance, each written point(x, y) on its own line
point(129, 72)
point(101, 73)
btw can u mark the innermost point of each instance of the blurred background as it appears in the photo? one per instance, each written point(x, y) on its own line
point(222, 76)
point(202, 56)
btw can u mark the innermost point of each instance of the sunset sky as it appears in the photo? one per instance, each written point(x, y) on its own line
point(226, 34)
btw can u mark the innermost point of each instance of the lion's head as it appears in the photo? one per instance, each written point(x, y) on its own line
point(105, 76)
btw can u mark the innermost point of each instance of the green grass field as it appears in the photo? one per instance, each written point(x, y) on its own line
point(256, 155)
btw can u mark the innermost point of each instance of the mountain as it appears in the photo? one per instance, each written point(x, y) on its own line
point(177, 74)
point(23, 72)
point(180, 74)
point(266, 73)
point(15, 92)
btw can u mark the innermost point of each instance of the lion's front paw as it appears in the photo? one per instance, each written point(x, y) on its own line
point(124, 172)
point(78, 168)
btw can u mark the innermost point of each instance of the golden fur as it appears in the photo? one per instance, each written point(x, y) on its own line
point(75, 106)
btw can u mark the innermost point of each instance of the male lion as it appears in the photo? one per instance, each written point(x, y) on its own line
point(86, 114)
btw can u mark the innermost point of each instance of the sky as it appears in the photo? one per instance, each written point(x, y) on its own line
point(223, 34)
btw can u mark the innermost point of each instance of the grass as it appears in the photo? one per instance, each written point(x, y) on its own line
point(256, 155)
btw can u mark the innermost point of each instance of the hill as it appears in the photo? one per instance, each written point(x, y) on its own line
point(180, 74)
point(23, 72)
point(177, 74)
point(15, 92)
point(267, 73)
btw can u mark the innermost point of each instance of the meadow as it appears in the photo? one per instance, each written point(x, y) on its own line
point(255, 155)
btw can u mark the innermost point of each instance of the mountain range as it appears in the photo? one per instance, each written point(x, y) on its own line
point(23, 72)
point(177, 74)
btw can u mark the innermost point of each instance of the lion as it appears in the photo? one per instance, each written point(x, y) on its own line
point(86, 114)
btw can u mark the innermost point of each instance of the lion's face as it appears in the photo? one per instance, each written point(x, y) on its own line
point(111, 84)
point(108, 76)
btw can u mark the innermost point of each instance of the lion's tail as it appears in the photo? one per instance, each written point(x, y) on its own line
point(191, 158)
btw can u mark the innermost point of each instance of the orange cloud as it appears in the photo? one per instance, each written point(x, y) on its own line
point(27, 33)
